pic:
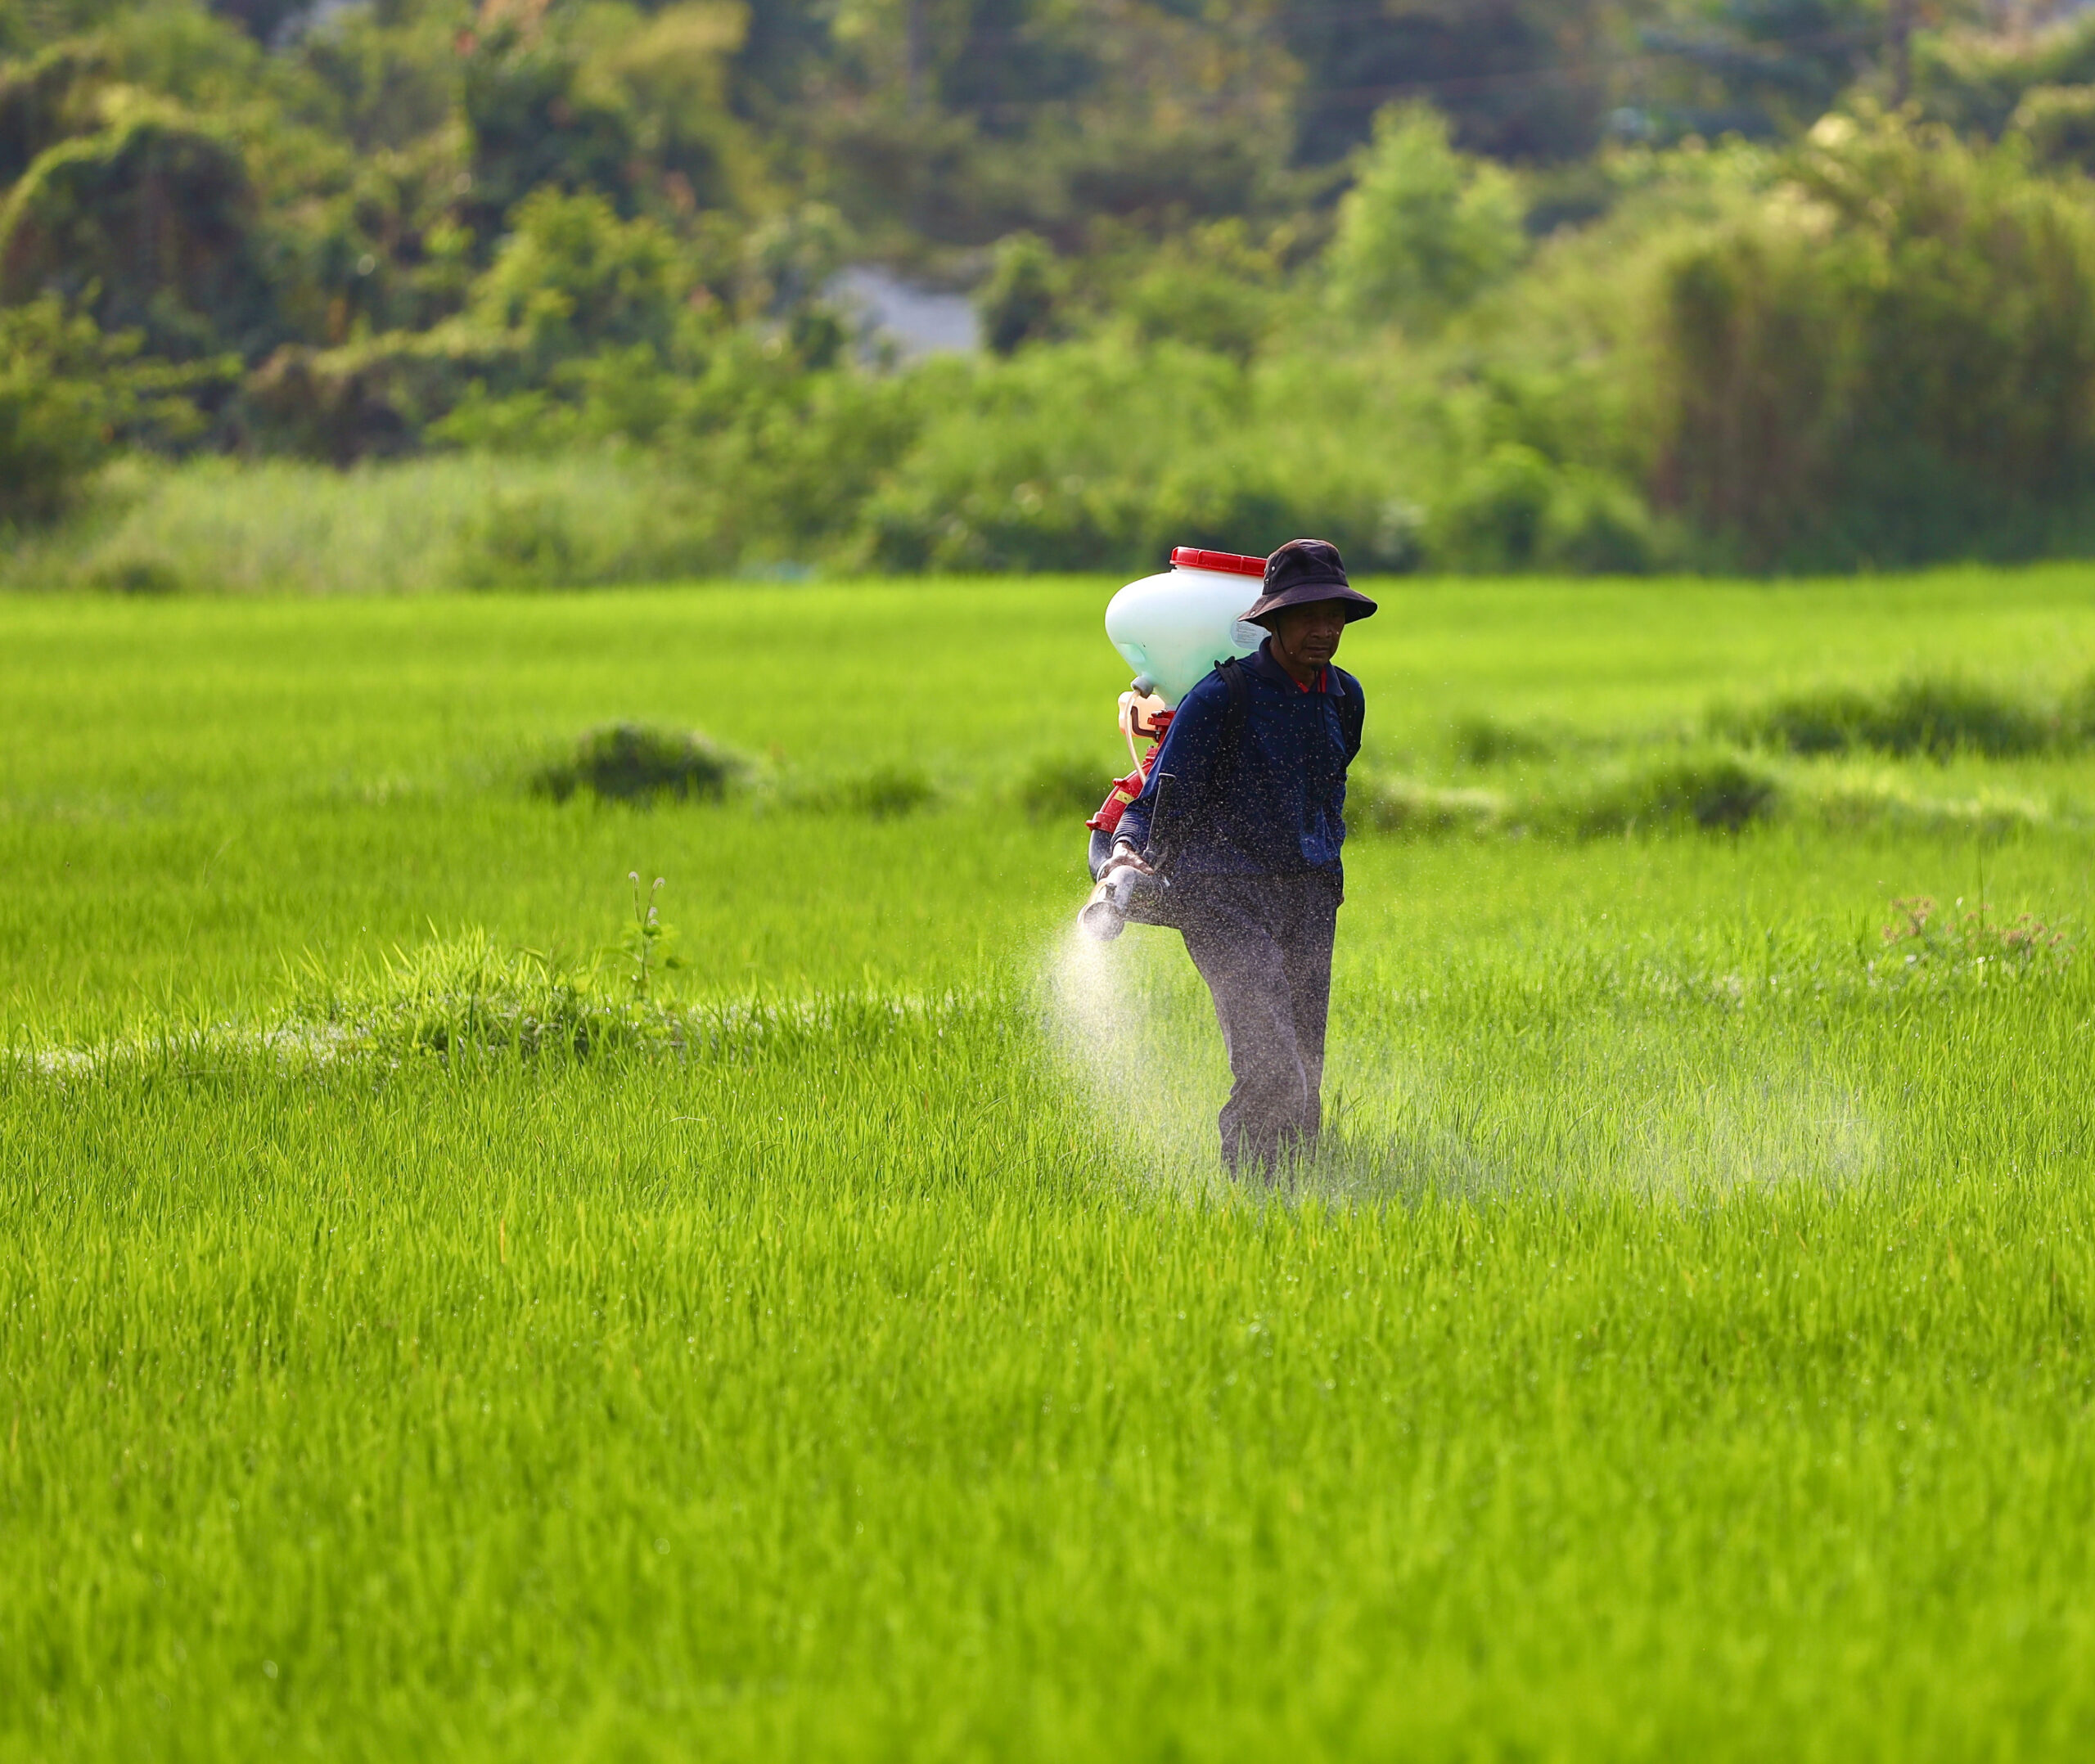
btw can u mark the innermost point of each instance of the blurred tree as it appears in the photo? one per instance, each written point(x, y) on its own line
point(1020, 301)
point(393, 85)
point(1517, 79)
point(672, 71)
point(264, 20)
point(1894, 359)
point(152, 225)
point(573, 277)
point(1210, 288)
point(532, 123)
point(68, 395)
point(49, 100)
point(1004, 59)
point(2059, 123)
point(1759, 67)
point(1425, 229)
point(791, 260)
point(963, 120)
point(786, 47)
point(1973, 80)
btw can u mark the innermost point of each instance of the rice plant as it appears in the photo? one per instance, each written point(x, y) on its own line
point(415, 1336)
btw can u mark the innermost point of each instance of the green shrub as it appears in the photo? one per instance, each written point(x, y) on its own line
point(1892, 360)
point(1936, 716)
point(1484, 741)
point(636, 762)
point(886, 792)
point(1975, 81)
point(134, 574)
point(337, 405)
point(1210, 290)
point(1425, 229)
point(1494, 518)
point(68, 396)
point(1022, 302)
point(521, 539)
point(1102, 455)
point(72, 226)
point(1058, 786)
point(1514, 509)
point(2059, 123)
point(1716, 792)
point(571, 277)
point(1595, 526)
point(1408, 806)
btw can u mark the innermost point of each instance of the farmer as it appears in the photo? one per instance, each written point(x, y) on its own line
point(1247, 832)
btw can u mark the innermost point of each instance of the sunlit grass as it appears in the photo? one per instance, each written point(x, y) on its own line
point(412, 1341)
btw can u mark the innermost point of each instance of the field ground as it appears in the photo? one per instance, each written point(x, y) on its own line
point(410, 1344)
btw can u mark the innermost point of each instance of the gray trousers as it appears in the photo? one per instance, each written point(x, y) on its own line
point(1263, 945)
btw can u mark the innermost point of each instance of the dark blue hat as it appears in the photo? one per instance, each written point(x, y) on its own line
point(1303, 570)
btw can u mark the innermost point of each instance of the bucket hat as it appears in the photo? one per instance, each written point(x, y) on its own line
point(1303, 570)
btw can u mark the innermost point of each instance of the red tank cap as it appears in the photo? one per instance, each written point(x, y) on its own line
point(1191, 557)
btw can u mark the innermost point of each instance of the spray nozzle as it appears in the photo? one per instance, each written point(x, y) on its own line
point(1105, 915)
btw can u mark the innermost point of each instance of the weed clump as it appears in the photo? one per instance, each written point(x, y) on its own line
point(1718, 793)
point(137, 575)
point(1408, 806)
point(884, 793)
point(1484, 741)
point(522, 539)
point(1937, 717)
point(1850, 804)
point(634, 762)
point(470, 996)
point(1057, 785)
point(1922, 931)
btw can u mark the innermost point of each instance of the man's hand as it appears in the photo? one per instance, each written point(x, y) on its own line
point(1125, 857)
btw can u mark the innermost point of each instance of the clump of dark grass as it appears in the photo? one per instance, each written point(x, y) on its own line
point(471, 1000)
point(1411, 807)
point(471, 996)
point(1057, 785)
point(1849, 804)
point(1716, 792)
point(636, 762)
point(1937, 717)
point(1484, 741)
point(136, 574)
point(1711, 793)
point(884, 793)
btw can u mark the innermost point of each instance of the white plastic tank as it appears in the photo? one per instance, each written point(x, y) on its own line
point(1172, 628)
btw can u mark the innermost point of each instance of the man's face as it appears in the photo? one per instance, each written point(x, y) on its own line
point(1308, 634)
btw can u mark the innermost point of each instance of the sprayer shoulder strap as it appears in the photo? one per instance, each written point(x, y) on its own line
point(1233, 721)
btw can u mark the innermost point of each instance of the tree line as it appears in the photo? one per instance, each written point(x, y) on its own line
point(1473, 284)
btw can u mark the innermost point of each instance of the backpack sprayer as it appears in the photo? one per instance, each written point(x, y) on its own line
point(1171, 629)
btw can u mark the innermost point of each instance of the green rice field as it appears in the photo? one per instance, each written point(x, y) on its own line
point(423, 1334)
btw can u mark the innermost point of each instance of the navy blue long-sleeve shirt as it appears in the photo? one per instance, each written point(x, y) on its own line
point(1270, 801)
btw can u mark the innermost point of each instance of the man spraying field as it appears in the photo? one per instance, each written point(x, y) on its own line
point(1242, 813)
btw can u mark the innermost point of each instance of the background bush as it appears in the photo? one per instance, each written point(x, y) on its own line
point(1548, 326)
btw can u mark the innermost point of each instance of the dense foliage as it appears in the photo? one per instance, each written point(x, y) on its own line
point(1576, 287)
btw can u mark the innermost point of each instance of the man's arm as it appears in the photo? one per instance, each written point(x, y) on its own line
point(1353, 717)
point(1190, 748)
